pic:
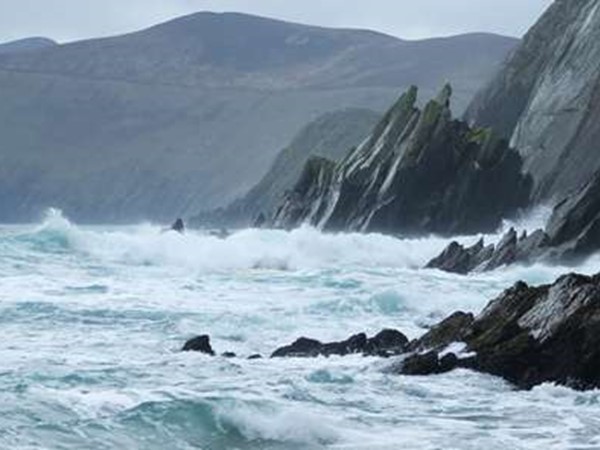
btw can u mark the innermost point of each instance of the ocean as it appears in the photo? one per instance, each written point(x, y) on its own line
point(92, 320)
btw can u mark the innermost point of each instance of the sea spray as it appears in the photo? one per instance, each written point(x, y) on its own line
point(92, 320)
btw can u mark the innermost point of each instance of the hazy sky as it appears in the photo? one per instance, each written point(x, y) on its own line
point(66, 20)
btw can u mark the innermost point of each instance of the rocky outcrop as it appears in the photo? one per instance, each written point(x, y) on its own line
point(386, 343)
point(199, 344)
point(528, 335)
point(546, 99)
point(420, 171)
point(511, 249)
point(571, 235)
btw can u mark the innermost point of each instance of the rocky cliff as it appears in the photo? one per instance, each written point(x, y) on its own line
point(546, 99)
point(189, 115)
point(571, 235)
point(528, 335)
point(419, 172)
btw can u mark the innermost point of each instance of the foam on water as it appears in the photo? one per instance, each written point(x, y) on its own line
point(92, 319)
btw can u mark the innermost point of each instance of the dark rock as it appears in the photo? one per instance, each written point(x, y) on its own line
point(452, 329)
point(419, 172)
point(571, 235)
point(228, 355)
point(302, 347)
point(448, 363)
point(457, 259)
point(255, 356)
point(528, 335)
point(505, 252)
point(385, 343)
point(178, 226)
point(199, 344)
point(421, 364)
point(532, 247)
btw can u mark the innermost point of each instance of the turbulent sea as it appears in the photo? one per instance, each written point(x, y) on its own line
point(92, 320)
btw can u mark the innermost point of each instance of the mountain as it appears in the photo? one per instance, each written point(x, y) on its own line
point(546, 98)
point(188, 115)
point(28, 44)
point(331, 136)
point(419, 172)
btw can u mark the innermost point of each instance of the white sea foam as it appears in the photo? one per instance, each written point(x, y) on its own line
point(93, 317)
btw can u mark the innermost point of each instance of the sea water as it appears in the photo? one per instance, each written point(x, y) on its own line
point(92, 320)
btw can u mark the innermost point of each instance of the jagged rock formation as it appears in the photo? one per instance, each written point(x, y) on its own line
point(571, 234)
point(528, 335)
point(547, 98)
point(330, 136)
point(419, 172)
point(188, 115)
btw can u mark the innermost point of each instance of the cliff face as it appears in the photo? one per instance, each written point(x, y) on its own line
point(419, 172)
point(547, 98)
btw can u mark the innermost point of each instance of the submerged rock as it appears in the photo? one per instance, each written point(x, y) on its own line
point(419, 172)
point(199, 344)
point(528, 335)
point(385, 343)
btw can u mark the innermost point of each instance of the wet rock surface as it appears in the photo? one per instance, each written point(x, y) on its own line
point(528, 335)
point(386, 343)
point(571, 235)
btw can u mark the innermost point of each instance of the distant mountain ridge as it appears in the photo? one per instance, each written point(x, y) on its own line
point(27, 44)
point(188, 115)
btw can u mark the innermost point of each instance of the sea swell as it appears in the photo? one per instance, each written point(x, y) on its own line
point(93, 319)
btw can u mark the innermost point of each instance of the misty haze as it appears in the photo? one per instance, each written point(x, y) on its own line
point(282, 225)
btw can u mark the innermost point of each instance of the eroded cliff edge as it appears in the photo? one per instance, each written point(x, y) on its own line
point(420, 171)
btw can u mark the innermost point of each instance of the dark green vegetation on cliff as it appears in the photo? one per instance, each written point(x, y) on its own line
point(420, 171)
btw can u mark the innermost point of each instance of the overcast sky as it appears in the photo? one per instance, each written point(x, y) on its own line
point(67, 20)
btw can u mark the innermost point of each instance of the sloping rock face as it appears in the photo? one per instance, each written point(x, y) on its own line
point(528, 335)
point(420, 171)
point(547, 98)
point(571, 235)
point(330, 136)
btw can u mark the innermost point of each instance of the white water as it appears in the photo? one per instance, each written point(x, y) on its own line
point(92, 320)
